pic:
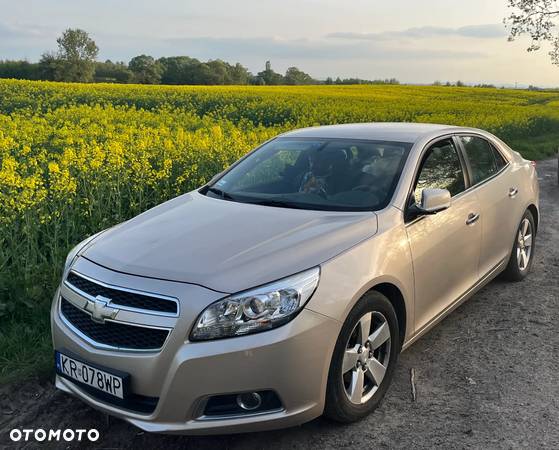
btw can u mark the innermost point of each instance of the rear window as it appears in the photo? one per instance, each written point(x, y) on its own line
point(501, 162)
point(484, 159)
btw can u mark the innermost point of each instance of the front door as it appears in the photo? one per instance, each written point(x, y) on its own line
point(445, 246)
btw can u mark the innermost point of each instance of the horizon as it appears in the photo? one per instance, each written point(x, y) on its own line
point(367, 42)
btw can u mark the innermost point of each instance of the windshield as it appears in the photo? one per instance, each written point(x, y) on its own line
point(327, 174)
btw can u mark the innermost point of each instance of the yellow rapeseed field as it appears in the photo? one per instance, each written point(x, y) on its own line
point(78, 158)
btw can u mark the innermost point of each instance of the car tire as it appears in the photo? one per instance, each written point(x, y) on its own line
point(522, 255)
point(372, 362)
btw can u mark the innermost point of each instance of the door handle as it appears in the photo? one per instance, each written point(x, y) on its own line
point(512, 192)
point(472, 218)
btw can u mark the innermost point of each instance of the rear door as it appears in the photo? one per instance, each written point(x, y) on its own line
point(445, 246)
point(498, 199)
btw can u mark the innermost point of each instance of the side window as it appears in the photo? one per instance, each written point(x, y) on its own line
point(481, 156)
point(440, 169)
point(499, 160)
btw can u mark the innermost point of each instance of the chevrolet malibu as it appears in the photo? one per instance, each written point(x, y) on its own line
point(287, 286)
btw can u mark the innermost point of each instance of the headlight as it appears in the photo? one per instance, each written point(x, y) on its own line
point(74, 252)
point(258, 309)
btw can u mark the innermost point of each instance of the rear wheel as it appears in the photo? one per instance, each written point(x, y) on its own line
point(363, 361)
point(522, 254)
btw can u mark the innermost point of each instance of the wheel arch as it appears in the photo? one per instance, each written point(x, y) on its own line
point(395, 296)
point(535, 214)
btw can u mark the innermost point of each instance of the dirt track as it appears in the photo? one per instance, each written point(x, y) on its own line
point(486, 377)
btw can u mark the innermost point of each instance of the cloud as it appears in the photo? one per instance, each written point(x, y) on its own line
point(489, 31)
point(13, 31)
point(25, 41)
point(230, 48)
point(29, 42)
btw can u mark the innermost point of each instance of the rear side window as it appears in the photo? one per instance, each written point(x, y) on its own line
point(484, 159)
point(500, 161)
point(441, 169)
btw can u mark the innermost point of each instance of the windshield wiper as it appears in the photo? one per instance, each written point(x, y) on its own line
point(221, 193)
point(263, 202)
point(279, 203)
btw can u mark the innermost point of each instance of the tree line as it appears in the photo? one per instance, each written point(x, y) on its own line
point(76, 60)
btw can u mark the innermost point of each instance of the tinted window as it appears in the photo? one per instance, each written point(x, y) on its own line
point(500, 161)
point(441, 169)
point(331, 174)
point(481, 156)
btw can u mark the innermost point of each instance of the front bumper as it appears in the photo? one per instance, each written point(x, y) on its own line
point(292, 360)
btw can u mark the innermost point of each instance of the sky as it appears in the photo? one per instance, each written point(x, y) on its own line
point(415, 41)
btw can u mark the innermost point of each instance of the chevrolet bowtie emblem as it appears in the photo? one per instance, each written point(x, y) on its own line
point(100, 310)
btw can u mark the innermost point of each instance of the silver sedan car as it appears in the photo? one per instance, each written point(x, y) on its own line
point(287, 286)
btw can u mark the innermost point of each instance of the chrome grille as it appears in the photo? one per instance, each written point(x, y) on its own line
point(121, 297)
point(113, 334)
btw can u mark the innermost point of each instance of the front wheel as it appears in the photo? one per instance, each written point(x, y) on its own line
point(364, 359)
point(522, 254)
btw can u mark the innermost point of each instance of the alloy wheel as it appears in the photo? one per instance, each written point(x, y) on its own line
point(366, 357)
point(524, 244)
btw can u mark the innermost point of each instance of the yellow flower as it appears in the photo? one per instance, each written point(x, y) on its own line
point(53, 168)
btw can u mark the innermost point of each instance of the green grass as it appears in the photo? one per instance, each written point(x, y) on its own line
point(537, 147)
point(25, 347)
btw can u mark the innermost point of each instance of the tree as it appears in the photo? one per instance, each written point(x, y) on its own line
point(257, 80)
point(540, 20)
point(51, 67)
point(110, 72)
point(178, 69)
point(146, 70)
point(295, 76)
point(22, 70)
point(217, 73)
point(239, 74)
point(75, 59)
point(269, 77)
point(202, 74)
point(186, 70)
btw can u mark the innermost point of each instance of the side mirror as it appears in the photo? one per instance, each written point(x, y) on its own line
point(432, 201)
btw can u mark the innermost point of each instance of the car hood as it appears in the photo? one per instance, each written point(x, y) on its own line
point(227, 246)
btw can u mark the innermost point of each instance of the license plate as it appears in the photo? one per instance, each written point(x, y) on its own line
point(89, 375)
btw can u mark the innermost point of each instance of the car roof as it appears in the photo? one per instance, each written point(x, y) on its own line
point(381, 131)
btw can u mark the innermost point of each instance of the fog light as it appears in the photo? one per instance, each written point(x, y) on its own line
point(242, 403)
point(249, 401)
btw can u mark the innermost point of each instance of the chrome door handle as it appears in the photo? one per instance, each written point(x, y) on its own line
point(472, 218)
point(513, 192)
